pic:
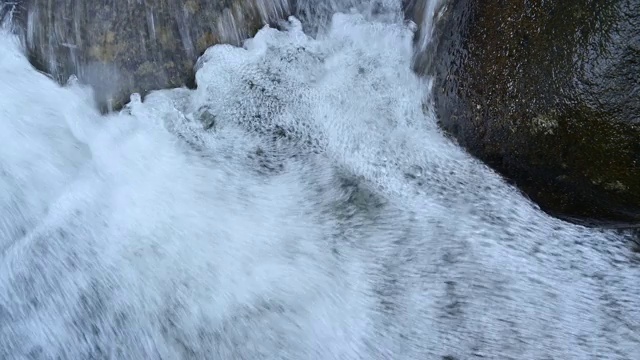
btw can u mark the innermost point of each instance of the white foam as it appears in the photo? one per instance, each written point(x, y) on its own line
point(321, 214)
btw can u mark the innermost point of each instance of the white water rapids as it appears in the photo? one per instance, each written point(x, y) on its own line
point(301, 203)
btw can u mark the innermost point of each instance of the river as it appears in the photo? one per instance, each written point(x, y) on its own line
point(301, 203)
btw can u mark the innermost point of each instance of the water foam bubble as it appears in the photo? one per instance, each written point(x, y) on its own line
point(300, 203)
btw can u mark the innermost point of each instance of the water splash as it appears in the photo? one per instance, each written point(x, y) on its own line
point(299, 204)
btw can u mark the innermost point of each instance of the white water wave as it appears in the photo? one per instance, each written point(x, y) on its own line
point(300, 204)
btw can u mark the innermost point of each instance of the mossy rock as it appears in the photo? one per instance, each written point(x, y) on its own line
point(547, 93)
point(121, 46)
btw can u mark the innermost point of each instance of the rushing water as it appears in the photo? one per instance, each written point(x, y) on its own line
point(301, 203)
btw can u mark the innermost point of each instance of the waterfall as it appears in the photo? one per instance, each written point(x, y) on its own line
point(300, 202)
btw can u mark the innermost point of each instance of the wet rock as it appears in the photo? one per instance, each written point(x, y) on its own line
point(547, 93)
point(121, 46)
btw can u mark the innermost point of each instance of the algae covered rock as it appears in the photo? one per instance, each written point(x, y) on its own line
point(548, 93)
point(124, 46)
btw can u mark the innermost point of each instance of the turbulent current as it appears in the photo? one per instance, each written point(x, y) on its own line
point(301, 203)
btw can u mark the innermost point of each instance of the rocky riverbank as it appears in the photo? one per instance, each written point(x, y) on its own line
point(547, 93)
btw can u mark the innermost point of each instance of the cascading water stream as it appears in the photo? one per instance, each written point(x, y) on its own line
point(300, 203)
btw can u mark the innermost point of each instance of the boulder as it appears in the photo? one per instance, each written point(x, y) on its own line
point(123, 46)
point(548, 94)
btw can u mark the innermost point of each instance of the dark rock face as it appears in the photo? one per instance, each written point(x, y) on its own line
point(123, 46)
point(547, 93)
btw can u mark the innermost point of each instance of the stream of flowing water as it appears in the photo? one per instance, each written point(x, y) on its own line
point(301, 203)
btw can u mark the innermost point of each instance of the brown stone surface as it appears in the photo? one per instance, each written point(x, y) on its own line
point(547, 93)
point(122, 46)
